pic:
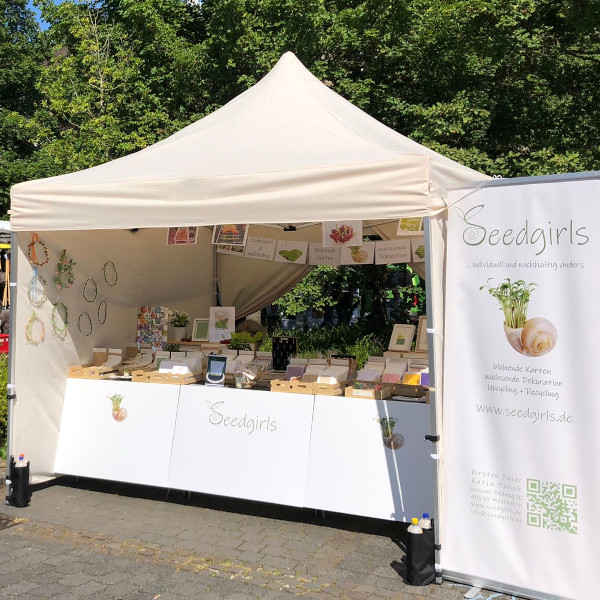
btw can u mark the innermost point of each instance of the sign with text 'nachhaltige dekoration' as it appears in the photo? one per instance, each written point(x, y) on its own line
point(521, 416)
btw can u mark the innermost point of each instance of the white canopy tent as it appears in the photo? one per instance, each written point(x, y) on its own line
point(288, 150)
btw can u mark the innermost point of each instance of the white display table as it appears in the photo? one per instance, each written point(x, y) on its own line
point(322, 452)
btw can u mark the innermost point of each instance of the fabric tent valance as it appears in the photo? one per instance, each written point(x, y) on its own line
point(289, 149)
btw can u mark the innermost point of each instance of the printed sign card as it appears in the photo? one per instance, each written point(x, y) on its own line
point(393, 251)
point(291, 252)
point(410, 226)
point(221, 323)
point(261, 248)
point(178, 236)
point(229, 249)
point(342, 233)
point(323, 255)
point(234, 234)
point(418, 249)
point(358, 255)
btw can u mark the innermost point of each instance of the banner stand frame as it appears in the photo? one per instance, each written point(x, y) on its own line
point(456, 576)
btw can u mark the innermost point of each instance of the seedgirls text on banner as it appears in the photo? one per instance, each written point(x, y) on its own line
point(521, 411)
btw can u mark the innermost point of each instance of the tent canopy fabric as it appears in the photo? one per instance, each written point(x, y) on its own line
point(288, 150)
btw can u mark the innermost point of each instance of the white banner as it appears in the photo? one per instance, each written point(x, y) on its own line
point(102, 425)
point(250, 445)
point(384, 476)
point(521, 417)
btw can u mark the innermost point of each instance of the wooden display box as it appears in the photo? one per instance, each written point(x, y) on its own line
point(167, 378)
point(410, 391)
point(281, 385)
point(328, 389)
point(80, 372)
point(368, 393)
point(299, 387)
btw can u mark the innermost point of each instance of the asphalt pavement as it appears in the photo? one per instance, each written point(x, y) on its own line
point(84, 538)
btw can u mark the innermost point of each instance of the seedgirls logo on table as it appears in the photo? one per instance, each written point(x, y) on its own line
point(250, 424)
point(539, 237)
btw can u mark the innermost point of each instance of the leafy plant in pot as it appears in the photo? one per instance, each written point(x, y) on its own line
point(391, 440)
point(179, 320)
point(243, 340)
point(530, 337)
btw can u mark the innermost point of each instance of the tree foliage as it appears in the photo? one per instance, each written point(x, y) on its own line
point(506, 87)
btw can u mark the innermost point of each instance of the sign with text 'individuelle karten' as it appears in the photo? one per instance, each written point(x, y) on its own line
point(521, 416)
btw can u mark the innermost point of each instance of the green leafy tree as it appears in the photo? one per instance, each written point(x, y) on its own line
point(19, 68)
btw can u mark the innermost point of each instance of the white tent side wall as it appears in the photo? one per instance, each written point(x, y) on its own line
point(149, 273)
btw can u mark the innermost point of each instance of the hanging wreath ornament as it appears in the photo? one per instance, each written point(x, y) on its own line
point(61, 332)
point(32, 253)
point(102, 312)
point(85, 315)
point(36, 292)
point(63, 276)
point(111, 275)
point(29, 330)
point(89, 280)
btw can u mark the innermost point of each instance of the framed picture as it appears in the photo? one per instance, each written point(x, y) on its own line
point(421, 344)
point(402, 337)
point(410, 226)
point(200, 330)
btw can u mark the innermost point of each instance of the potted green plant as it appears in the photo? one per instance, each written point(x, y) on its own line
point(391, 440)
point(179, 320)
point(244, 340)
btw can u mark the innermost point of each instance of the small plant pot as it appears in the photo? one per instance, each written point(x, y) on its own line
point(178, 333)
point(394, 442)
point(513, 335)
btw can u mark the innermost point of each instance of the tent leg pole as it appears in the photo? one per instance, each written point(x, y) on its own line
point(433, 392)
point(215, 278)
point(10, 386)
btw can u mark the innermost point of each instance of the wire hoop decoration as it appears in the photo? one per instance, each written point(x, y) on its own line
point(110, 264)
point(31, 251)
point(102, 311)
point(60, 332)
point(90, 278)
point(89, 319)
point(36, 298)
point(63, 276)
point(29, 330)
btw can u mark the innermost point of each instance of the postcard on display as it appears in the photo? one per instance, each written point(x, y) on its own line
point(229, 249)
point(402, 337)
point(291, 252)
point(393, 251)
point(358, 255)
point(234, 235)
point(323, 255)
point(418, 249)
point(181, 236)
point(221, 323)
point(342, 233)
point(261, 248)
point(410, 226)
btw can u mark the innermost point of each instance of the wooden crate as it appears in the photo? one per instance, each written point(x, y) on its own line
point(368, 393)
point(328, 389)
point(298, 387)
point(141, 375)
point(172, 379)
point(410, 391)
point(81, 372)
point(281, 385)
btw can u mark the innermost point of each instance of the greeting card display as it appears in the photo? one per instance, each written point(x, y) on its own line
point(221, 323)
point(153, 326)
point(342, 233)
point(291, 252)
point(233, 234)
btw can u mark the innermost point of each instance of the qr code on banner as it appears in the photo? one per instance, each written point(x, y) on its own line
point(552, 505)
